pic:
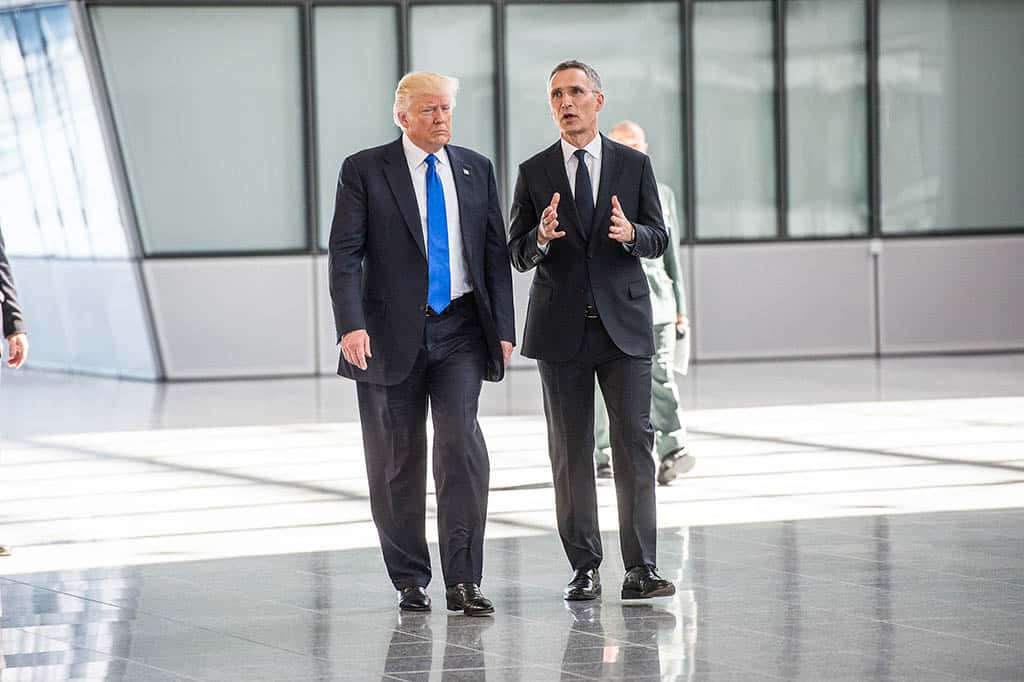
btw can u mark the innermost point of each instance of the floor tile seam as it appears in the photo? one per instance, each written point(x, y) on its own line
point(157, 512)
point(108, 654)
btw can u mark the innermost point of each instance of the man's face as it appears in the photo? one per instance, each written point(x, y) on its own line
point(631, 137)
point(574, 103)
point(428, 122)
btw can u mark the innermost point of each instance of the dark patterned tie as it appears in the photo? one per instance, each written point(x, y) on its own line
point(584, 193)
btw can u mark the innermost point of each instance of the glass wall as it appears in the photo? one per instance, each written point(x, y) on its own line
point(734, 119)
point(459, 41)
point(208, 102)
point(641, 83)
point(57, 192)
point(355, 94)
point(952, 103)
point(827, 126)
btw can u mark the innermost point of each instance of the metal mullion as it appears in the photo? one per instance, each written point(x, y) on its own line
point(689, 152)
point(874, 120)
point(307, 39)
point(781, 150)
point(500, 103)
point(404, 40)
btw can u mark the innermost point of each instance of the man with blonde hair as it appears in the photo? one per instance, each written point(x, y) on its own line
point(422, 295)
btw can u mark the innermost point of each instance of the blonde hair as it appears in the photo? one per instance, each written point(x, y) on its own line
point(422, 83)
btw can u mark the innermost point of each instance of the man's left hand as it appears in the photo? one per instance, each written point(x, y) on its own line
point(506, 351)
point(17, 350)
point(621, 230)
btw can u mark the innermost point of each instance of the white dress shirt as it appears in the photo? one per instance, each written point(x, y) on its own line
point(417, 160)
point(593, 160)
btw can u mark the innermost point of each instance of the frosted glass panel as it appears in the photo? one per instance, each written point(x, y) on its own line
point(734, 119)
point(459, 41)
point(356, 74)
point(208, 106)
point(641, 81)
point(952, 102)
point(826, 81)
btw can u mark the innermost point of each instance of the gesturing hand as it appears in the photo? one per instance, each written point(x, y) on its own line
point(355, 347)
point(621, 230)
point(548, 228)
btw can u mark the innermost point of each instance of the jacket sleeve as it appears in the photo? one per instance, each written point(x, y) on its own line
point(13, 320)
point(649, 226)
point(522, 243)
point(672, 268)
point(497, 271)
point(346, 247)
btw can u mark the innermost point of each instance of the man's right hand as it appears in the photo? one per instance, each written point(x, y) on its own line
point(355, 347)
point(548, 228)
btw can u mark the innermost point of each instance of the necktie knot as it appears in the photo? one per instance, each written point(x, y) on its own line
point(431, 160)
point(581, 155)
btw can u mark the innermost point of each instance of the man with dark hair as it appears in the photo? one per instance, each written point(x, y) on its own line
point(14, 325)
point(590, 315)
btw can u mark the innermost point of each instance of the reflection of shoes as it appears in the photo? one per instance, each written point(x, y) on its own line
point(5, 550)
point(468, 598)
point(642, 582)
point(675, 465)
point(584, 586)
point(640, 615)
point(414, 598)
point(604, 470)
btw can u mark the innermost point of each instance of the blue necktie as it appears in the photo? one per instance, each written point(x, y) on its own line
point(584, 193)
point(439, 290)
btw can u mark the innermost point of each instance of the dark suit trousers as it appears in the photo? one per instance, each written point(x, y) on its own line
point(569, 408)
point(448, 374)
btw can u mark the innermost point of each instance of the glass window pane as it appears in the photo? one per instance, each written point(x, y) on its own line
point(952, 102)
point(458, 41)
point(826, 82)
point(208, 106)
point(641, 83)
point(355, 94)
point(734, 117)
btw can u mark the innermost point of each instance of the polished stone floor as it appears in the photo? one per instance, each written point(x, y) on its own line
point(847, 520)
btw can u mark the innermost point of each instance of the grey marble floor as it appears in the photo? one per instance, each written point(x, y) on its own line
point(847, 520)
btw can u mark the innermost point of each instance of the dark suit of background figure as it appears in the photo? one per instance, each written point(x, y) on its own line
point(587, 265)
point(13, 321)
point(378, 280)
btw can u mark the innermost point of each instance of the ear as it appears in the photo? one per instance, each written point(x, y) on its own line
point(600, 101)
point(403, 119)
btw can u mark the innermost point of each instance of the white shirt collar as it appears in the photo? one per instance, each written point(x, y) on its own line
point(593, 148)
point(415, 156)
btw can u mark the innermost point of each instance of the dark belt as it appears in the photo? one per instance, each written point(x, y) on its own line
point(590, 312)
point(465, 299)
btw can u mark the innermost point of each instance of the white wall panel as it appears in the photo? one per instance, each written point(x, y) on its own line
point(783, 300)
point(227, 317)
point(958, 294)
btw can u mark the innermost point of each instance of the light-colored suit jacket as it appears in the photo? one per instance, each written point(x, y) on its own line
point(665, 276)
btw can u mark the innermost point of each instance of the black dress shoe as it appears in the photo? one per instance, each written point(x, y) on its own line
point(468, 598)
point(674, 466)
point(584, 586)
point(414, 599)
point(604, 470)
point(643, 583)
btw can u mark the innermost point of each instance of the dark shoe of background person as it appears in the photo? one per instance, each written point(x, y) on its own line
point(468, 598)
point(642, 582)
point(675, 465)
point(604, 470)
point(584, 586)
point(414, 598)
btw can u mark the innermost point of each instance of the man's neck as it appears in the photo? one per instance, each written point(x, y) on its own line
point(580, 140)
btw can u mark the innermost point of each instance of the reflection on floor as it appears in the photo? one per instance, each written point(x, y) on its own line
point(846, 520)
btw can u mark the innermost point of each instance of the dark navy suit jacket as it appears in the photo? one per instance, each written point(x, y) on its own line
point(378, 263)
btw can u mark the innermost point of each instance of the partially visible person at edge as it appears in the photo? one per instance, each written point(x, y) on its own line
point(421, 287)
point(14, 325)
point(584, 212)
point(668, 302)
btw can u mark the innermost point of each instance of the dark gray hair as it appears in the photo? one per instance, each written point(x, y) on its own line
point(594, 77)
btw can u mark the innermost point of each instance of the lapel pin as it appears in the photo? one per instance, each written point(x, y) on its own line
point(465, 171)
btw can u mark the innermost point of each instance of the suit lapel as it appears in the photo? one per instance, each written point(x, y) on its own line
point(396, 170)
point(464, 184)
point(609, 176)
point(554, 164)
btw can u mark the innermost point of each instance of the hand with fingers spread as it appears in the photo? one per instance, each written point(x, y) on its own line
point(548, 228)
point(355, 347)
point(621, 230)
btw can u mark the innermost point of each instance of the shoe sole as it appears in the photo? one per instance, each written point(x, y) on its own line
point(414, 608)
point(679, 467)
point(662, 592)
point(471, 614)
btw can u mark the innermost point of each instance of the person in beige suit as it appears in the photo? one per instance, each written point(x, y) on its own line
point(671, 325)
